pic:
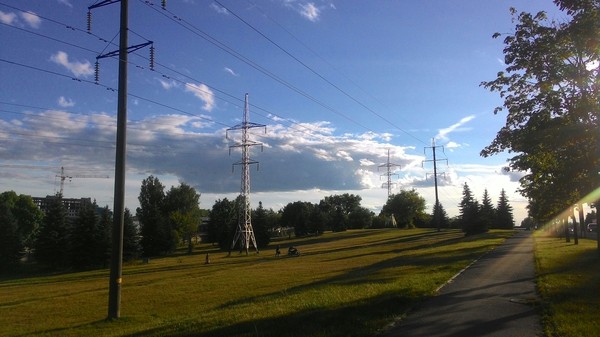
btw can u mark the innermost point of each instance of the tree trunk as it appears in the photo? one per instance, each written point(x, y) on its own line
point(566, 225)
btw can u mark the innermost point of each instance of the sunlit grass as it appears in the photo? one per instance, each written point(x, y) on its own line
point(344, 284)
point(569, 283)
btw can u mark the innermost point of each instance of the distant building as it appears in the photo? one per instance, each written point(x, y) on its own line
point(72, 206)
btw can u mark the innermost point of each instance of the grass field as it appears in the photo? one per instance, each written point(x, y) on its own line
point(345, 284)
point(568, 279)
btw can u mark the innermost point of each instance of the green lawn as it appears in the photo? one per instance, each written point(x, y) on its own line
point(569, 282)
point(345, 284)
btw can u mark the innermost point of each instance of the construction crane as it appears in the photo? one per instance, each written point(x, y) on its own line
point(64, 177)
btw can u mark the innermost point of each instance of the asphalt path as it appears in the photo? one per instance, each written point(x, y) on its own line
point(495, 296)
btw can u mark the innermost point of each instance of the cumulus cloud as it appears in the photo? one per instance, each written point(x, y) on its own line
point(310, 11)
point(8, 18)
point(31, 19)
point(65, 102)
point(167, 84)
point(75, 67)
point(204, 93)
point(192, 150)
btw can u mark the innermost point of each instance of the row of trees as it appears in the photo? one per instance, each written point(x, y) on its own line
point(169, 218)
point(57, 241)
point(478, 217)
point(550, 90)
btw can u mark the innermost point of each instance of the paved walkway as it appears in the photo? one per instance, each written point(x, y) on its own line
point(495, 296)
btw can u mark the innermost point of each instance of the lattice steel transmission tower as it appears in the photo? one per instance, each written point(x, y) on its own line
point(244, 233)
point(388, 165)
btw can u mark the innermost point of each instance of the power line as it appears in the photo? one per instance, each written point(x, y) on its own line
point(335, 86)
point(162, 74)
point(207, 37)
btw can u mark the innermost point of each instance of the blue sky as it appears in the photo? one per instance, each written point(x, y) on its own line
point(337, 84)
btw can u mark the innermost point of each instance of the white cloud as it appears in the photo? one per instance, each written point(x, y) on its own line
point(65, 102)
point(183, 148)
point(66, 3)
point(230, 71)
point(452, 145)
point(77, 68)
point(219, 9)
point(310, 11)
point(204, 93)
point(167, 84)
point(31, 19)
point(8, 18)
point(443, 133)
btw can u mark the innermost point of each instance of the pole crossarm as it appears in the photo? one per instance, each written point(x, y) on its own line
point(103, 3)
point(130, 49)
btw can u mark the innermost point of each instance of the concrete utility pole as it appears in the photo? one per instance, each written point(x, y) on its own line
point(116, 259)
point(388, 174)
point(245, 233)
point(435, 174)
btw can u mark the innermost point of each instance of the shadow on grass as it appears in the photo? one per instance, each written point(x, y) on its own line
point(360, 318)
point(368, 274)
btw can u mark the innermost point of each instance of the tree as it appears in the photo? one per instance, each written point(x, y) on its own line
point(181, 207)
point(336, 208)
point(528, 223)
point(504, 214)
point(487, 212)
point(469, 213)
point(87, 240)
point(439, 217)
point(157, 237)
point(408, 207)
point(222, 223)
point(51, 246)
point(27, 215)
point(301, 215)
point(360, 217)
point(104, 234)
point(550, 90)
point(10, 243)
point(131, 237)
point(261, 225)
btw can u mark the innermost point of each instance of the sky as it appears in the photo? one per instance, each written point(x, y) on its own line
point(337, 84)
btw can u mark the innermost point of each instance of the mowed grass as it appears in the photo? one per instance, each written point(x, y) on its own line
point(345, 284)
point(568, 279)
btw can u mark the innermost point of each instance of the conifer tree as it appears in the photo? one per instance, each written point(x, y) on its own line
point(487, 212)
point(84, 247)
point(131, 237)
point(504, 214)
point(51, 246)
point(469, 213)
point(10, 244)
point(439, 217)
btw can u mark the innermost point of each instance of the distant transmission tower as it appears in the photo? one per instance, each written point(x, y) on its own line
point(244, 233)
point(388, 165)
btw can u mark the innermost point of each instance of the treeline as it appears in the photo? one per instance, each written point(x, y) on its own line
point(478, 217)
point(54, 240)
point(170, 218)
